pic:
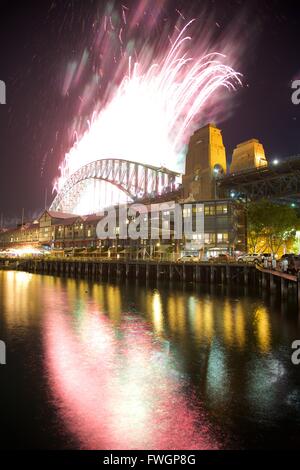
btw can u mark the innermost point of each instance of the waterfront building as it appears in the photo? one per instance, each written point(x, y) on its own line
point(223, 232)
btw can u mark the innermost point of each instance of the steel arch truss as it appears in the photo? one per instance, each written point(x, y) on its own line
point(135, 179)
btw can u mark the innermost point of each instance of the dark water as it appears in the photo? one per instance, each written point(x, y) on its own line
point(132, 366)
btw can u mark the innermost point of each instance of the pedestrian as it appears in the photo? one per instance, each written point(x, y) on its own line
point(285, 264)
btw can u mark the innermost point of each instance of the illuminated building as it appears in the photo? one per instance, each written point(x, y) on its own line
point(223, 231)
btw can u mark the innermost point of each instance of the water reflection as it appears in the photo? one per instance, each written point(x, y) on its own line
point(15, 294)
point(262, 330)
point(136, 366)
point(117, 388)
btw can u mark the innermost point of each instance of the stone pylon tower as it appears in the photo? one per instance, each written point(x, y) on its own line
point(248, 155)
point(205, 160)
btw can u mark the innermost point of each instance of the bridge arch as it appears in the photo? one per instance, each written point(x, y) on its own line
point(135, 179)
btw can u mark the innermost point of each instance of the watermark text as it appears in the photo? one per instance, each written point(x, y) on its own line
point(296, 93)
point(157, 221)
point(2, 353)
point(2, 92)
point(296, 354)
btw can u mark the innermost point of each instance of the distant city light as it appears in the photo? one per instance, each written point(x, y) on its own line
point(26, 250)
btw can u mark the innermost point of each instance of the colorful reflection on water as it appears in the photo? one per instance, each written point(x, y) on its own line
point(154, 367)
point(117, 386)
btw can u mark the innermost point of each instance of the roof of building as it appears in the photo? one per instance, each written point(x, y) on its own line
point(92, 218)
point(68, 221)
point(61, 215)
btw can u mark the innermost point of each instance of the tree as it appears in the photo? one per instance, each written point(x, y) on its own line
point(271, 225)
point(255, 226)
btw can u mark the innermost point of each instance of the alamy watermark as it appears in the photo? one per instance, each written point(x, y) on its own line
point(167, 220)
point(296, 354)
point(2, 344)
point(2, 353)
point(2, 92)
point(296, 93)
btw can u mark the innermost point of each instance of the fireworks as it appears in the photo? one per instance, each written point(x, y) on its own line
point(148, 116)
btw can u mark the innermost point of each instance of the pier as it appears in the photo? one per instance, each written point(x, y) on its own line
point(189, 272)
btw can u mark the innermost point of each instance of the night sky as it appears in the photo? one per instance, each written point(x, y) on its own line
point(39, 39)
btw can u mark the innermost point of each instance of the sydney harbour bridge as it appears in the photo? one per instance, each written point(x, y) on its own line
point(85, 191)
point(132, 180)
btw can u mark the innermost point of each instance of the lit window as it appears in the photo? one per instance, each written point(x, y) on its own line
point(209, 210)
point(222, 237)
point(186, 212)
point(222, 209)
point(209, 238)
point(197, 236)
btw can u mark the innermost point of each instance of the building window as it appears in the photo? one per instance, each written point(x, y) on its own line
point(187, 212)
point(89, 233)
point(197, 236)
point(209, 238)
point(222, 237)
point(210, 210)
point(222, 209)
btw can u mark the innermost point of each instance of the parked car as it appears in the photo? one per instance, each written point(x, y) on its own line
point(187, 258)
point(249, 258)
